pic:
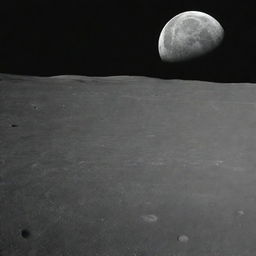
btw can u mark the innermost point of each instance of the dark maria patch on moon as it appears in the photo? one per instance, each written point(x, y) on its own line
point(168, 34)
point(206, 40)
point(189, 26)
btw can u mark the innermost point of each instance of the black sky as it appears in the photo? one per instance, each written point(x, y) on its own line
point(102, 38)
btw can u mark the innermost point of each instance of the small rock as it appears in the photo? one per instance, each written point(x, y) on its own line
point(240, 212)
point(183, 238)
point(149, 218)
point(219, 162)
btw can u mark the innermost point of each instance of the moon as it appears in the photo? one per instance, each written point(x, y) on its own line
point(189, 35)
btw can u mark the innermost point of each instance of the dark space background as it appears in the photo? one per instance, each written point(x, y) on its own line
point(103, 38)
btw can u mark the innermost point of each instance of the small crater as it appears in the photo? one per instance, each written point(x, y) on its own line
point(25, 233)
point(183, 238)
point(34, 106)
point(14, 125)
point(149, 218)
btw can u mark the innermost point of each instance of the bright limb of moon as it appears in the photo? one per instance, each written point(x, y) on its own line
point(188, 35)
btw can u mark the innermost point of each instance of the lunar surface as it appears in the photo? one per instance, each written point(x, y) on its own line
point(189, 35)
point(126, 166)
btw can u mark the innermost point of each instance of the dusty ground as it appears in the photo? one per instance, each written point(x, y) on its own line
point(126, 166)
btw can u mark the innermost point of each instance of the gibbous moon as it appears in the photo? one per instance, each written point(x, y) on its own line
point(189, 35)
